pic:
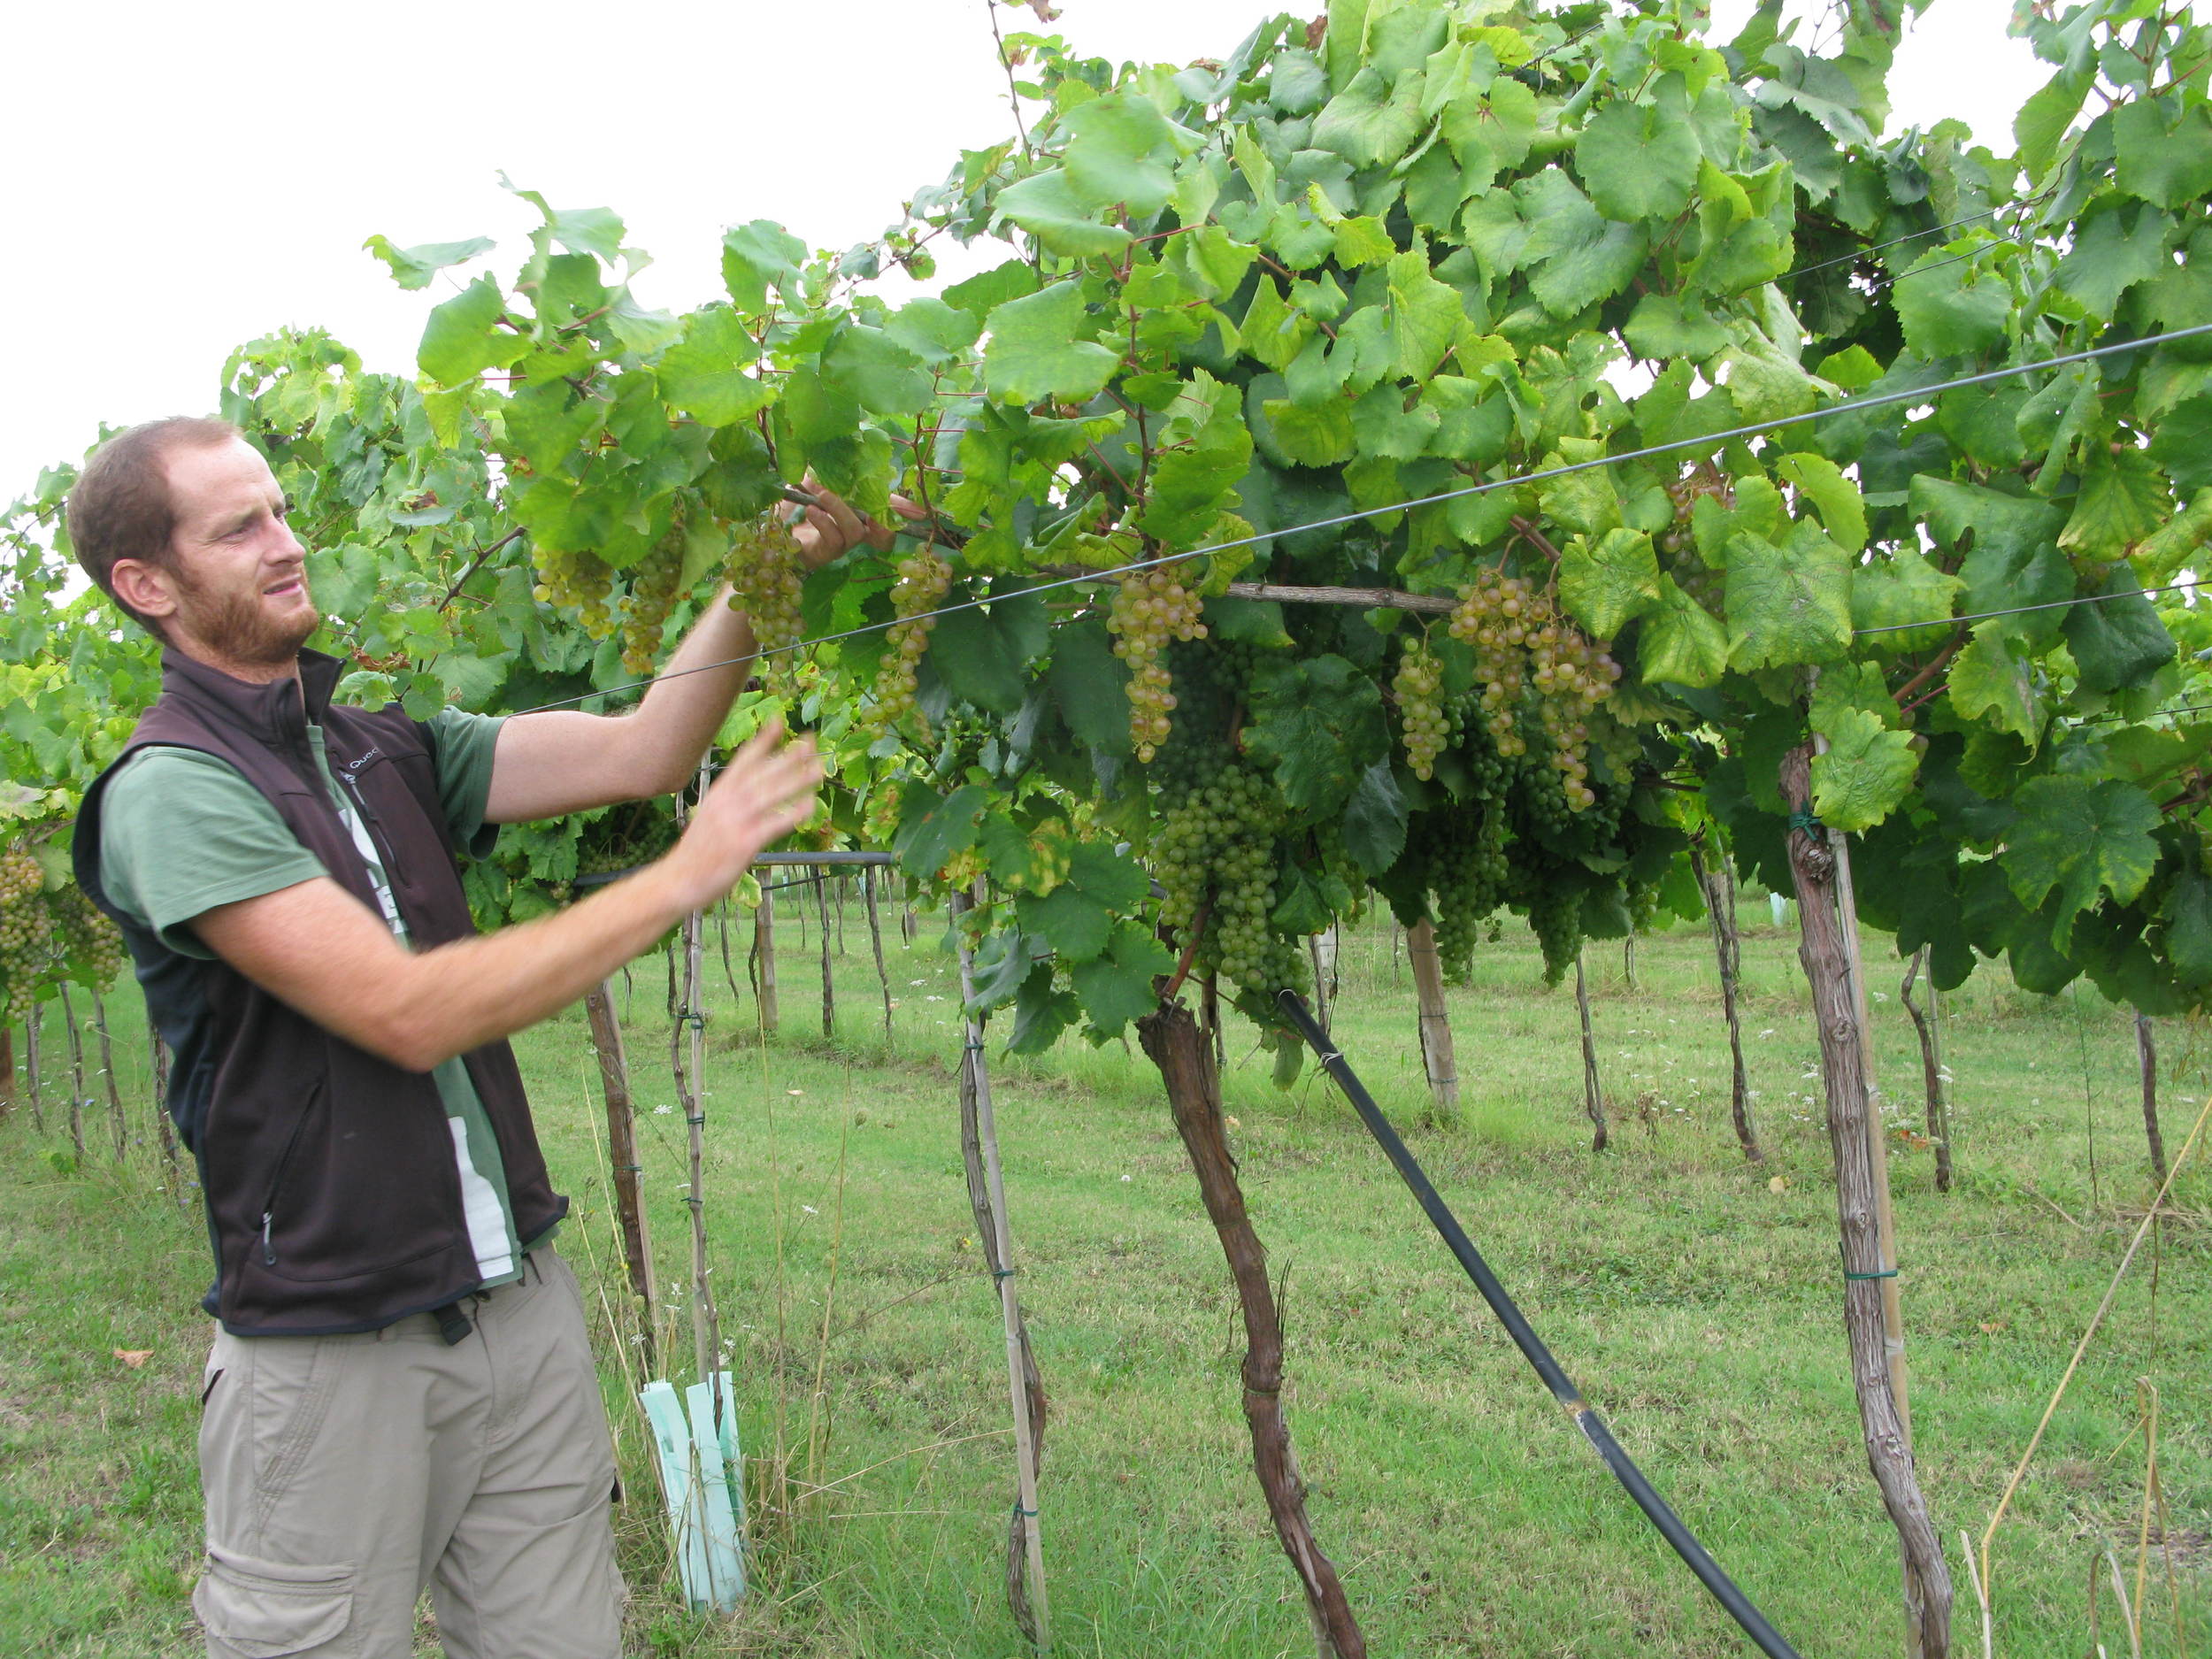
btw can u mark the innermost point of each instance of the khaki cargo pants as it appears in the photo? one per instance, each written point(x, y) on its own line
point(345, 1473)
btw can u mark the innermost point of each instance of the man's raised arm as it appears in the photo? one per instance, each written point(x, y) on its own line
point(562, 761)
point(317, 948)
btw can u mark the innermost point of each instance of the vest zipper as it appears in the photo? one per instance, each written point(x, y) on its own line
point(276, 1182)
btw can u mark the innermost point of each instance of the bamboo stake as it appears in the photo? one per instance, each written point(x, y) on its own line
point(1718, 883)
point(76, 1074)
point(765, 954)
point(1939, 1107)
point(1026, 1529)
point(628, 1175)
point(875, 940)
point(2147, 1062)
point(687, 1057)
point(1593, 1090)
point(1824, 949)
point(1438, 1061)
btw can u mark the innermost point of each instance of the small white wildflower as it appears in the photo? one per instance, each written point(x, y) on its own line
point(1124, 1177)
point(809, 1209)
point(1768, 1032)
point(663, 1111)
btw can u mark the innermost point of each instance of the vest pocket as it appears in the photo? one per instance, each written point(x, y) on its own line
point(252, 1608)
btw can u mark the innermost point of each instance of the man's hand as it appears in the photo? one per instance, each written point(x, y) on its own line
point(765, 792)
point(833, 527)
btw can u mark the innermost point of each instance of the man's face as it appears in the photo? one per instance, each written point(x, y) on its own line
point(240, 574)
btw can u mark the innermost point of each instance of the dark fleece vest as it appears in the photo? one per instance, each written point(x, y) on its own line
point(332, 1200)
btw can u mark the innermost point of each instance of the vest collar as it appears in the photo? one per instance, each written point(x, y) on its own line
point(275, 713)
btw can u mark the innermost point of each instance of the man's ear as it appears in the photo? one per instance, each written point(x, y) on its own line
point(146, 588)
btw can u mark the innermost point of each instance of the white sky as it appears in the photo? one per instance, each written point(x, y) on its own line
point(187, 178)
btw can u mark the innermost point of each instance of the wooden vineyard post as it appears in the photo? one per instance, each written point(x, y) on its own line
point(157, 1071)
point(1939, 1097)
point(1718, 883)
point(764, 956)
point(1178, 1048)
point(2147, 1064)
point(986, 1195)
point(33, 1082)
point(107, 1071)
point(875, 940)
point(1592, 1088)
point(76, 1074)
point(1437, 1058)
point(7, 1065)
point(1814, 869)
point(629, 1177)
point(829, 986)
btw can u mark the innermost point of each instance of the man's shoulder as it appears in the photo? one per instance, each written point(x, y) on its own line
point(157, 769)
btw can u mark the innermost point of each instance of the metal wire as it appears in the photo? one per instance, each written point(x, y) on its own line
point(1706, 441)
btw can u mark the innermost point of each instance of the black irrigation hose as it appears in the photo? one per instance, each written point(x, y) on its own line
point(1531, 1345)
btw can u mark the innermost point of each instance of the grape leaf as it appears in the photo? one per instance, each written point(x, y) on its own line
point(1902, 587)
point(1049, 207)
point(2123, 499)
point(1116, 986)
point(2120, 643)
point(1375, 820)
point(1864, 773)
point(1041, 1013)
point(2186, 909)
point(463, 337)
point(1609, 582)
point(2183, 444)
point(1371, 122)
point(1425, 316)
point(755, 255)
point(1578, 257)
point(1950, 306)
point(1037, 350)
point(2162, 149)
point(1842, 512)
point(2115, 247)
point(1122, 152)
point(413, 268)
point(935, 829)
point(1682, 642)
point(1987, 680)
point(1789, 603)
point(2077, 837)
point(1669, 325)
point(1090, 684)
point(1639, 160)
point(1320, 724)
point(705, 373)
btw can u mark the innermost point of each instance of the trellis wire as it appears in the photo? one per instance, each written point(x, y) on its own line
point(1674, 446)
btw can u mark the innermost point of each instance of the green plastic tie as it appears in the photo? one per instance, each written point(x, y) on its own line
point(1804, 820)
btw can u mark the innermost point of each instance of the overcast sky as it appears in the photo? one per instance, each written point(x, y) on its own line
point(186, 178)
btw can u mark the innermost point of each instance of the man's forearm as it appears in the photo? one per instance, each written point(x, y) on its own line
point(684, 707)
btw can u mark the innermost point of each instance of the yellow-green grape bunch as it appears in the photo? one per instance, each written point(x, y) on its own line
point(1521, 642)
point(1684, 492)
point(26, 931)
point(578, 582)
point(925, 577)
point(88, 941)
point(1150, 608)
point(1422, 722)
point(766, 579)
point(653, 583)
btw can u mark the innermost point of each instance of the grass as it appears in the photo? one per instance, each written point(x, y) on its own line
point(1695, 1298)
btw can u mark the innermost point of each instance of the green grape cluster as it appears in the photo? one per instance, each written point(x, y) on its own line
point(580, 582)
point(1554, 914)
point(925, 578)
point(87, 939)
point(1424, 722)
point(766, 579)
point(1150, 608)
point(1701, 480)
point(1217, 850)
point(654, 583)
point(27, 933)
point(1468, 874)
point(1522, 645)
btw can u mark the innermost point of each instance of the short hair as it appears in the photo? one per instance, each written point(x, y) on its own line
point(120, 507)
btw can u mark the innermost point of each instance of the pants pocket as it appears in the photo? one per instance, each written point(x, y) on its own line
point(252, 1608)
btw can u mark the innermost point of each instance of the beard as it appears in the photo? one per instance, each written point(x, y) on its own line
point(234, 627)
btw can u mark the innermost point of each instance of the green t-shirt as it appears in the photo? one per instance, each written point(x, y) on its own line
point(182, 832)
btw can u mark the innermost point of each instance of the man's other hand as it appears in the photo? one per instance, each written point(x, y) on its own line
point(765, 792)
point(833, 527)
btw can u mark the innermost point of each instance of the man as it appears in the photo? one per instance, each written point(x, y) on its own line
point(400, 1393)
